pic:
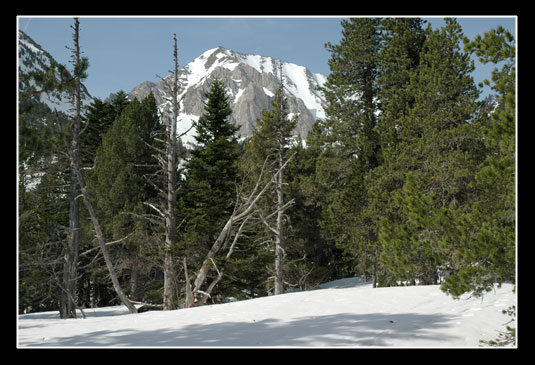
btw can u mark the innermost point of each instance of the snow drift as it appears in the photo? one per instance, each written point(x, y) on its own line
point(343, 313)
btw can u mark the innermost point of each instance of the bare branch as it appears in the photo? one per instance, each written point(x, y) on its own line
point(251, 204)
point(162, 214)
point(152, 147)
point(107, 244)
point(231, 249)
point(155, 219)
point(186, 132)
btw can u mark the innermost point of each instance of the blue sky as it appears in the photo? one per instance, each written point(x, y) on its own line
point(125, 51)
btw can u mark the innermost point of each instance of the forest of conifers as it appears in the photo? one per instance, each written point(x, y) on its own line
point(409, 180)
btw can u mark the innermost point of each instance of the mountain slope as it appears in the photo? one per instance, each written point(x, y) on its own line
point(346, 313)
point(251, 81)
point(32, 57)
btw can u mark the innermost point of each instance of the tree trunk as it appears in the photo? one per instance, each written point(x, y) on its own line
point(279, 236)
point(201, 275)
point(70, 268)
point(70, 265)
point(189, 295)
point(135, 286)
point(170, 221)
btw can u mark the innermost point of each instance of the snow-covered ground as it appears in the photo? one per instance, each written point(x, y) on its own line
point(343, 313)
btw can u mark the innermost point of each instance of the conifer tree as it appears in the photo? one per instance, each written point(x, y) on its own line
point(433, 146)
point(98, 119)
point(93, 286)
point(354, 147)
point(485, 253)
point(120, 187)
point(80, 65)
point(311, 256)
point(402, 40)
point(209, 191)
point(43, 214)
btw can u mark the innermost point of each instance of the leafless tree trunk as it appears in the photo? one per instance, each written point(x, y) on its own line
point(67, 305)
point(74, 156)
point(170, 219)
point(279, 234)
point(189, 295)
point(168, 162)
point(279, 230)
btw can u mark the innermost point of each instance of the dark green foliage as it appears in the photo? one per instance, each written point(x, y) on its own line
point(43, 212)
point(98, 119)
point(311, 257)
point(411, 246)
point(433, 157)
point(270, 144)
point(487, 253)
point(406, 193)
point(351, 140)
point(120, 186)
point(44, 177)
point(209, 192)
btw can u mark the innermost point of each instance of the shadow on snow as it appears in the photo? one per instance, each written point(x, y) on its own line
point(372, 329)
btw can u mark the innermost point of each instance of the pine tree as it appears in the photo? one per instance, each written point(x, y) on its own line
point(352, 95)
point(311, 258)
point(351, 88)
point(433, 157)
point(43, 214)
point(209, 191)
point(121, 188)
point(402, 42)
point(98, 118)
point(485, 252)
point(93, 286)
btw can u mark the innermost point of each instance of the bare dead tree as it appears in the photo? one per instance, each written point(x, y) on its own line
point(168, 160)
point(170, 218)
point(79, 182)
point(279, 233)
point(67, 304)
point(245, 213)
point(282, 135)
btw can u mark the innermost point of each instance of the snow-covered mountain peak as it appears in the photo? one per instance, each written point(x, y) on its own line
point(251, 81)
point(224, 57)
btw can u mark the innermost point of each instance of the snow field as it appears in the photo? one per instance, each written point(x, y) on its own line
point(344, 313)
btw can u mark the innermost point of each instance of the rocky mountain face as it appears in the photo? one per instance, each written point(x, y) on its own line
point(251, 82)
